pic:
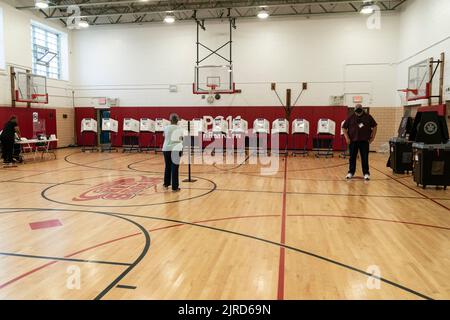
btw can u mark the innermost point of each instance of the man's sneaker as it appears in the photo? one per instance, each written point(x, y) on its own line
point(367, 177)
point(349, 176)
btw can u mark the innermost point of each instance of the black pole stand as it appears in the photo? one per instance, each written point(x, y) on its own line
point(189, 179)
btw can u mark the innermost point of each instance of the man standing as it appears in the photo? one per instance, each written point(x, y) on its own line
point(360, 130)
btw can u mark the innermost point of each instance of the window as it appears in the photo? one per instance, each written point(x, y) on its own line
point(46, 49)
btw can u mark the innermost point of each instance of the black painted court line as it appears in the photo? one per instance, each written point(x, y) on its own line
point(313, 193)
point(147, 246)
point(63, 259)
point(418, 192)
point(121, 286)
point(44, 196)
point(114, 215)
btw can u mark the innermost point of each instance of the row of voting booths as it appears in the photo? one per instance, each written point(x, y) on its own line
point(423, 148)
point(150, 131)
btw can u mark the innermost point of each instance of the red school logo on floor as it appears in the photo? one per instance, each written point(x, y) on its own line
point(119, 189)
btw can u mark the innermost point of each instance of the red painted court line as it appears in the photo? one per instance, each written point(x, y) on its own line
point(281, 264)
point(282, 250)
point(26, 274)
point(45, 224)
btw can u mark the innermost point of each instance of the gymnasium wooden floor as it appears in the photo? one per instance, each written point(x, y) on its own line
point(303, 233)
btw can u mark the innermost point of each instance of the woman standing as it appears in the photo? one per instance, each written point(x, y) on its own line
point(7, 138)
point(173, 145)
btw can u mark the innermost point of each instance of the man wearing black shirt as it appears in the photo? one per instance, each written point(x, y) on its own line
point(7, 139)
point(360, 130)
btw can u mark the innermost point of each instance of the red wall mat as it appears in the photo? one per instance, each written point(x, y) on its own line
point(313, 114)
point(25, 117)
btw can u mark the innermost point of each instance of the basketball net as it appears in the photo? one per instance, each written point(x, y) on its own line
point(212, 90)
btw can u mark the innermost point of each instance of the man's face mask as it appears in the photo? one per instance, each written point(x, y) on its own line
point(359, 111)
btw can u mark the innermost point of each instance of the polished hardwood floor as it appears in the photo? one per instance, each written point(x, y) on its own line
point(101, 226)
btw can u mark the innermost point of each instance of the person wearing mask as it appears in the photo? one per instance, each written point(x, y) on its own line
point(172, 148)
point(360, 130)
point(7, 137)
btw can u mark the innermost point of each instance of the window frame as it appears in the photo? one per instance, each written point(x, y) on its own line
point(50, 72)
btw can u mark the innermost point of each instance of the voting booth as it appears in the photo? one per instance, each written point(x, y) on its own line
point(326, 127)
point(130, 137)
point(131, 125)
point(280, 126)
point(261, 126)
point(146, 134)
point(300, 135)
point(220, 126)
point(240, 126)
point(323, 143)
point(88, 129)
point(239, 130)
point(88, 125)
point(184, 125)
point(198, 127)
point(160, 124)
point(147, 125)
point(110, 127)
point(300, 126)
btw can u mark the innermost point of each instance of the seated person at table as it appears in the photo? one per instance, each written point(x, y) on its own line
point(7, 138)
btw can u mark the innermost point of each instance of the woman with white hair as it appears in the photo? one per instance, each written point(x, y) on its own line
point(173, 145)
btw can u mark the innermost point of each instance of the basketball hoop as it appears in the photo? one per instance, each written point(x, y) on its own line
point(403, 93)
point(212, 88)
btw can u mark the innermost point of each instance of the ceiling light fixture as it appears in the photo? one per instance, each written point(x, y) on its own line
point(83, 24)
point(263, 14)
point(41, 4)
point(170, 18)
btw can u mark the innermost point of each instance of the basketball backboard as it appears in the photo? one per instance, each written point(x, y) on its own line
point(31, 88)
point(213, 79)
point(419, 81)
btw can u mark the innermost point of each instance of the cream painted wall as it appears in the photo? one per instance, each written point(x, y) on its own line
point(336, 55)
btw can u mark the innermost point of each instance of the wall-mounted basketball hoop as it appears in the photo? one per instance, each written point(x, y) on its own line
point(420, 81)
point(28, 88)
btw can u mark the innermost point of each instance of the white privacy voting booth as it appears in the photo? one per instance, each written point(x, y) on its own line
point(323, 143)
point(147, 125)
point(130, 138)
point(88, 125)
point(220, 125)
point(147, 128)
point(110, 125)
point(160, 124)
point(240, 126)
point(184, 125)
point(198, 126)
point(326, 126)
point(300, 126)
point(280, 126)
point(261, 126)
point(131, 125)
